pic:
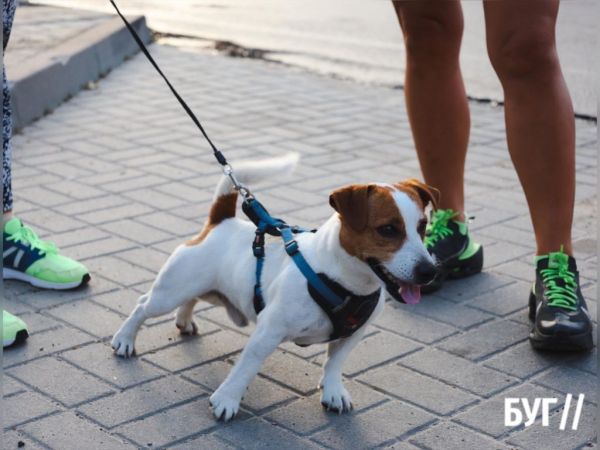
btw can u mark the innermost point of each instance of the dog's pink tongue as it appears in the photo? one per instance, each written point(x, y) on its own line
point(410, 293)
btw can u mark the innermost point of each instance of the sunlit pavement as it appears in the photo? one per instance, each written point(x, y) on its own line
point(118, 176)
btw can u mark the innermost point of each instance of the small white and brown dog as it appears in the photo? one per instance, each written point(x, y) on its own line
point(374, 239)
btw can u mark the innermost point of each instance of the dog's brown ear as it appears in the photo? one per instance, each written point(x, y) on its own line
point(426, 193)
point(352, 203)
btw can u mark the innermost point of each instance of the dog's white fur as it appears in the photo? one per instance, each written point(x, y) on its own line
point(223, 262)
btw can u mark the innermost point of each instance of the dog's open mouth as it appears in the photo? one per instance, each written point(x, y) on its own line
point(398, 289)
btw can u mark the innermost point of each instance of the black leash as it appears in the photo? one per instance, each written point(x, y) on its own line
point(220, 157)
point(328, 298)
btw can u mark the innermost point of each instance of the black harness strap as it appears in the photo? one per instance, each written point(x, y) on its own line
point(352, 314)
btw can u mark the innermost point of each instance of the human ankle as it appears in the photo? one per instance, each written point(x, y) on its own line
point(7, 217)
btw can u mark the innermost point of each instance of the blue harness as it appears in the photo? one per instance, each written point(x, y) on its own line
point(346, 310)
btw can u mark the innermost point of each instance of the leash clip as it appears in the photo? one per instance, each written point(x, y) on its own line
point(237, 185)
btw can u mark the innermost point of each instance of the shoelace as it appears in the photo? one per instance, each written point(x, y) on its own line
point(438, 228)
point(27, 235)
point(563, 295)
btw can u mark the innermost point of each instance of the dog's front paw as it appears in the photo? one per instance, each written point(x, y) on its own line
point(224, 407)
point(334, 397)
point(187, 326)
point(123, 345)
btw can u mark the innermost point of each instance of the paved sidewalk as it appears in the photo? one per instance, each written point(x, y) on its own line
point(39, 29)
point(53, 53)
point(118, 177)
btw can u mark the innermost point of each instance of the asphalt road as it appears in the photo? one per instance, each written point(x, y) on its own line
point(359, 39)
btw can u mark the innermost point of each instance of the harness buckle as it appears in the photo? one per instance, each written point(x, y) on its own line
point(291, 247)
point(258, 245)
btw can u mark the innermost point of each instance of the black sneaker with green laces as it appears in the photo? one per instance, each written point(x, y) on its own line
point(457, 255)
point(556, 304)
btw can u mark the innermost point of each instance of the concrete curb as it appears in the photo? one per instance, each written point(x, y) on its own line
point(45, 82)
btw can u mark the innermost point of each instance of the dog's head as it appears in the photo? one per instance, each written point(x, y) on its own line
point(384, 226)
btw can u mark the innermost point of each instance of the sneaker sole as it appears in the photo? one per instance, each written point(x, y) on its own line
point(579, 343)
point(462, 269)
point(11, 274)
point(20, 337)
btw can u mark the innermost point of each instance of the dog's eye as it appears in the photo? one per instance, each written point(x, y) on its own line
point(422, 227)
point(388, 231)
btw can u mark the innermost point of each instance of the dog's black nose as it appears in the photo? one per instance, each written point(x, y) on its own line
point(425, 272)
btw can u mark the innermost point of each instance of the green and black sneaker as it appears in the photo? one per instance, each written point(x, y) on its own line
point(456, 254)
point(556, 304)
point(14, 330)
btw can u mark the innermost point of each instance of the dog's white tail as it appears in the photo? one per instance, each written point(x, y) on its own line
point(251, 171)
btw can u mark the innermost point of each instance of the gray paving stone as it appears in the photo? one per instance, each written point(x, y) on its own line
point(136, 232)
point(61, 381)
point(425, 392)
point(123, 373)
point(122, 301)
point(261, 395)
point(39, 299)
point(488, 417)
point(292, 372)
point(567, 380)
point(503, 301)
point(502, 252)
point(24, 408)
point(81, 236)
point(76, 190)
point(141, 401)
point(376, 349)
point(120, 271)
point(171, 224)
point(523, 361)
point(407, 323)
point(587, 362)
point(307, 416)
point(45, 343)
point(174, 424)
point(89, 317)
point(119, 212)
point(147, 258)
point(468, 288)
point(457, 371)
point(487, 339)
point(517, 269)
point(57, 223)
point(38, 323)
point(196, 351)
point(309, 352)
point(447, 435)
point(375, 427)
point(445, 311)
point(66, 431)
point(109, 246)
point(205, 442)
point(11, 387)
point(12, 439)
point(256, 434)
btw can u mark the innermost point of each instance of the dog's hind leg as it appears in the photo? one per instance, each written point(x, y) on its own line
point(185, 317)
point(176, 284)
